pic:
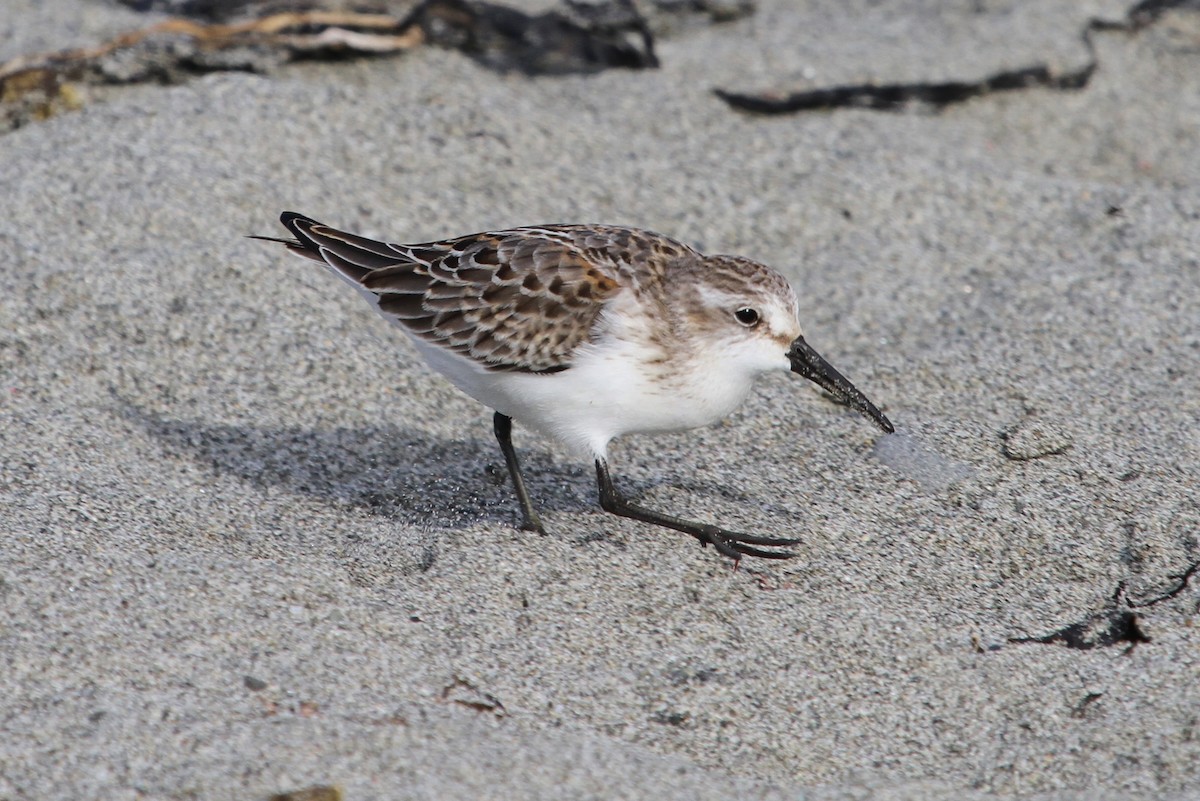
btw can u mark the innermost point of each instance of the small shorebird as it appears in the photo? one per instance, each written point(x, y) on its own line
point(585, 333)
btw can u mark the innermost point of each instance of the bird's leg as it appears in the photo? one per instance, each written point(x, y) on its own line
point(729, 543)
point(503, 425)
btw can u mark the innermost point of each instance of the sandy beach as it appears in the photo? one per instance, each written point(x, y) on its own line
point(252, 545)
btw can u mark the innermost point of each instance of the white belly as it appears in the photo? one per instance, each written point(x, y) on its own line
point(608, 391)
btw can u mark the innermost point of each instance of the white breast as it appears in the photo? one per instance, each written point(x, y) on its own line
point(611, 390)
point(619, 384)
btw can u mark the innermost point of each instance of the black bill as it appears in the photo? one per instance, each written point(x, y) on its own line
point(808, 363)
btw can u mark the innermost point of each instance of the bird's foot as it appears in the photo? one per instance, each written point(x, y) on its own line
point(736, 545)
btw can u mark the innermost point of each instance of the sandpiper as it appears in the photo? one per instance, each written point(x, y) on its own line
point(586, 333)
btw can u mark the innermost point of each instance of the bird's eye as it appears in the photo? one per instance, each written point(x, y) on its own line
point(747, 317)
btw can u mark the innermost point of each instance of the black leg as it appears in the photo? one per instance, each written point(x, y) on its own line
point(503, 425)
point(729, 543)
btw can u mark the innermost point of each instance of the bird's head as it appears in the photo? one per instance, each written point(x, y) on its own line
point(750, 313)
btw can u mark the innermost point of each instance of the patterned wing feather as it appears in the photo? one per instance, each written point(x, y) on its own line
point(520, 300)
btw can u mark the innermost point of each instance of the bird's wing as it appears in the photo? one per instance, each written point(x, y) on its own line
point(518, 300)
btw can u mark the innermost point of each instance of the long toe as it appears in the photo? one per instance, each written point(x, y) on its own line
point(714, 533)
point(735, 546)
point(750, 539)
point(723, 546)
point(748, 551)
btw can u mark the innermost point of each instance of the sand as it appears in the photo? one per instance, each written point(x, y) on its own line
point(251, 545)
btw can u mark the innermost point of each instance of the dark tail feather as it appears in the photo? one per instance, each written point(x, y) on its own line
point(292, 243)
point(299, 225)
point(303, 244)
point(354, 257)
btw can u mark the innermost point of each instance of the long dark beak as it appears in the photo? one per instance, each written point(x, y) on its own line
point(808, 363)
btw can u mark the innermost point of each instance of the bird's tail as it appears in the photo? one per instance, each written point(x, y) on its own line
point(303, 245)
